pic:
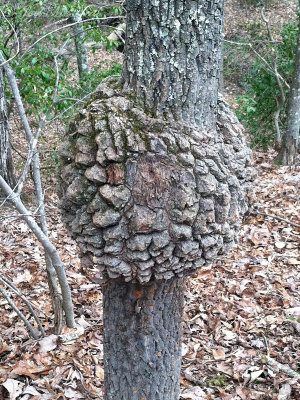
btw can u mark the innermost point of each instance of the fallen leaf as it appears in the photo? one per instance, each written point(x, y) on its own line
point(284, 392)
point(13, 387)
point(218, 354)
point(193, 393)
point(28, 368)
point(48, 343)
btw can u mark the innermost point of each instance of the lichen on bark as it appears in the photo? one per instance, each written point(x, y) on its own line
point(164, 203)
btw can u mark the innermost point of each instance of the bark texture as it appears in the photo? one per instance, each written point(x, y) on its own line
point(151, 198)
point(172, 57)
point(6, 163)
point(290, 140)
point(142, 340)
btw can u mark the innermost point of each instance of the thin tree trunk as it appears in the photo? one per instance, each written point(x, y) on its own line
point(49, 248)
point(6, 163)
point(51, 268)
point(81, 50)
point(142, 338)
point(290, 139)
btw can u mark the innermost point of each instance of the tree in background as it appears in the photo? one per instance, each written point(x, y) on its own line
point(6, 163)
point(290, 139)
point(155, 175)
point(80, 44)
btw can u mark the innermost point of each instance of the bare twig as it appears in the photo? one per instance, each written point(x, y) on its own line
point(15, 33)
point(19, 313)
point(53, 264)
point(49, 248)
point(281, 102)
point(27, 302)
point(57, 30)
point(269, 67)
point(279, 218)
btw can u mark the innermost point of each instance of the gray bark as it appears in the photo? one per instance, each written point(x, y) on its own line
point(81, 50)
point(172, 57)
point(6, 164)
point(142, 340)
point(290, 139)
point(150, 199)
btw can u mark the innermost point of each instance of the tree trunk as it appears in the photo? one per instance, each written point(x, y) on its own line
point(6, 164)
point(290, 140)
point(81, 50)
point(173, 57)
point(142, 340)
point(172, 61)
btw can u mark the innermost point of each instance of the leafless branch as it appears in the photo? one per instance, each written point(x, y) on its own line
point(49, 248)
point(57, 30)
point(15, 33)
point(6, 281)
point(269, 67)
point(19, 313)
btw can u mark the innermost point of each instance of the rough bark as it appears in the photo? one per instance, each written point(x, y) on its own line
point(172, 57)
point(148, 198)
point(155, 179)
point(142, 339)
point(6, 163)
point(290, 139)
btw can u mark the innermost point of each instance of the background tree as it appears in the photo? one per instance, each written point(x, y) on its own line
point(290, 140)
point(80, 45)
point(6, 164)
point(155, 182)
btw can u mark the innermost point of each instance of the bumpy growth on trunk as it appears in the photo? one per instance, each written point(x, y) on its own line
point(152, 198)
point(155, 179)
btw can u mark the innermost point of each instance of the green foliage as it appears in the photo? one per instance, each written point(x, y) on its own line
point(217, 381)
point(35, 69)
point(259, 103)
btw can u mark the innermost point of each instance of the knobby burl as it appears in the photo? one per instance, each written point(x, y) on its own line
point(152, 198)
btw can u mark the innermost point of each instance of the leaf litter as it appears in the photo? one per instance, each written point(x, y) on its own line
point(238, 312)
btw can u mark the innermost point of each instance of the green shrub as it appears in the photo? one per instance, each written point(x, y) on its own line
point(259, 103)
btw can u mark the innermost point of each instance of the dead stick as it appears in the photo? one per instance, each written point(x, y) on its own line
point(279, 218)
point(282, 367)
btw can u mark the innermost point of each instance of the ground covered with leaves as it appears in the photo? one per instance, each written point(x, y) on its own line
point(240, 315)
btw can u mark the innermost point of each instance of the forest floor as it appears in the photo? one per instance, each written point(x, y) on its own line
point(242, 315)
point(238, 312)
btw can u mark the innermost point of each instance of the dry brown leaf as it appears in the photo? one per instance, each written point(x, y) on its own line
point(99, 372)
point(218, 354)
point(29, 368)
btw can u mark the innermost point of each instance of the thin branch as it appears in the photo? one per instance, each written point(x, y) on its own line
point(278, 218)
point(80, 100)
point(269, 67)
point(19, 313)
point(4, 280)
point(282, 367)
point(15, 33)
point(49, 249)
point(57, 30)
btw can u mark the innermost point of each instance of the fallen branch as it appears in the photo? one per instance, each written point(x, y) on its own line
point(279, 218)
point(283, 367)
